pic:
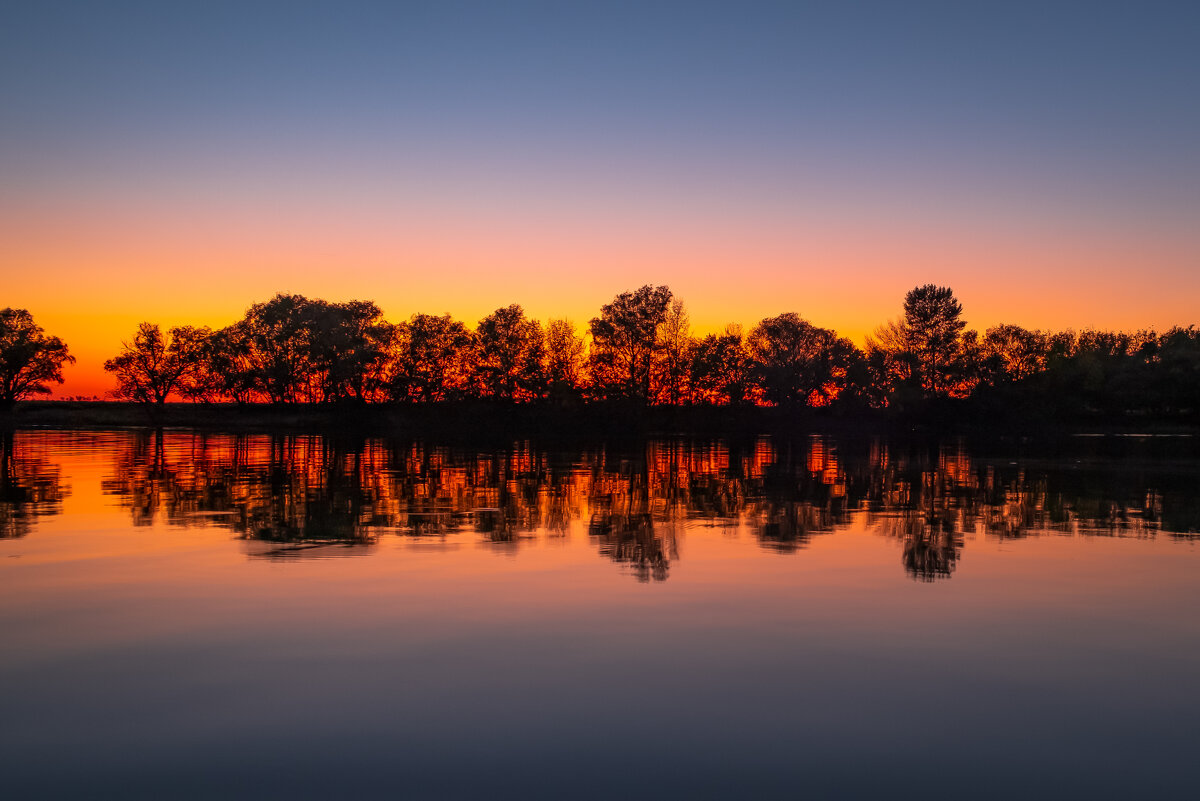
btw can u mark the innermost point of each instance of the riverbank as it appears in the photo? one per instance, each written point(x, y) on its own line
point(476, 419)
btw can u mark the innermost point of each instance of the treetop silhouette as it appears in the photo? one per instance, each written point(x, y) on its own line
point(29, 359)
point(640, 349)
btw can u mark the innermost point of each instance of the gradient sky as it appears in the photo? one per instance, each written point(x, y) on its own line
point(178, 161)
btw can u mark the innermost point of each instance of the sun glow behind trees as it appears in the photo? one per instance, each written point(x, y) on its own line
point(640, 349)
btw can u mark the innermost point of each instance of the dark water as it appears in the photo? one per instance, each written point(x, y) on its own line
point(214, 616)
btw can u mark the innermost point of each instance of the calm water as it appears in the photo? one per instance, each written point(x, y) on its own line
point(216, 616)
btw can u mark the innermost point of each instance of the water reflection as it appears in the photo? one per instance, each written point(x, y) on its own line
point(30, 486)
point(289, 497)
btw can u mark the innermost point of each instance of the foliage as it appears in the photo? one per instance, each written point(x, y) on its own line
point(720, 369)
point(292, 349)
point(797, 363)
point(625, 341)
point(153, 366)
point(431, 360)
point(673, 356)
point(564, 367)
point(510, 356)
point(29, 360)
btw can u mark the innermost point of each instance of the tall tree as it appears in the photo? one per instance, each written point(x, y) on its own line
point(29, 360)
point(154, 365)
point(625, 341)
point(798, 363)
point(673, 357)
point(932, 328)
point(564, 359)
point(509, 351)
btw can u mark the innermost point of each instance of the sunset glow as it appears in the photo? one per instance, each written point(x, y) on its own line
point(178, 166)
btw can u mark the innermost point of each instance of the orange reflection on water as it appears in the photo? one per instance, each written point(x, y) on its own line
point(302, 496)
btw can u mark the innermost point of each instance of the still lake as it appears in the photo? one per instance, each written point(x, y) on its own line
point(195, 615)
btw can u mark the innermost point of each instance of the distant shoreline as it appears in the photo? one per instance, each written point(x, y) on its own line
point(481, 419)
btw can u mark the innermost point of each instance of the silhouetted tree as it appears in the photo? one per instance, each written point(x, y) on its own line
point(277, 346)
point(863, 390)
point(292, 349)
point(932, 329)
point(720, 368)
point(225, 369)
point(625, 341)
point(892, 365)
point(348, 349)
point(29, 360)
point(432, 359)
point(1176, 381)
point(1012, 353)
point(670, 374)
point(153, 366)
point(922, 356)
point(509, 351)
point(798, 363)
point(564, 368)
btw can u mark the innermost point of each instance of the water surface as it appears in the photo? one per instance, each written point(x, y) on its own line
point(198, 615)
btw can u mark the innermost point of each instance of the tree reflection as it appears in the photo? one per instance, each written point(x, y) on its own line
point(930, 549)
point(632, 540)
point(30, 487)
point(293, 491)
point(291, 496)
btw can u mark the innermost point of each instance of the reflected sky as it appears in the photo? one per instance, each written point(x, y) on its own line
point(306, 495)
point(665, 619)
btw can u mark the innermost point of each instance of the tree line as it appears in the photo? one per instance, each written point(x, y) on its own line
point(640, 349)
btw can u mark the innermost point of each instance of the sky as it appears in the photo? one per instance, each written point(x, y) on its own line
point(178, 161)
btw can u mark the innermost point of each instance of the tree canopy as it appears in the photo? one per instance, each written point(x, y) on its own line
point(641, 348)
point(153, 366)
point(29, 359)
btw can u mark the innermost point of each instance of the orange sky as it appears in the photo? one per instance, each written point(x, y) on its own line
point(91, 277)
point(822, 160)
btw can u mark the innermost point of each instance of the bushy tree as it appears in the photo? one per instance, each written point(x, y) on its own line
point(1010, 353)
point(29, 360)
point(798, 363)
point(432, 360)
point(348, 347)
point(291, 349)
point(509, 354)
point(1176, 381)
point(625, 342)
point(565, 367)
point(720, 368)
point(226, 369)
point(276, 338)
point(152, 365)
